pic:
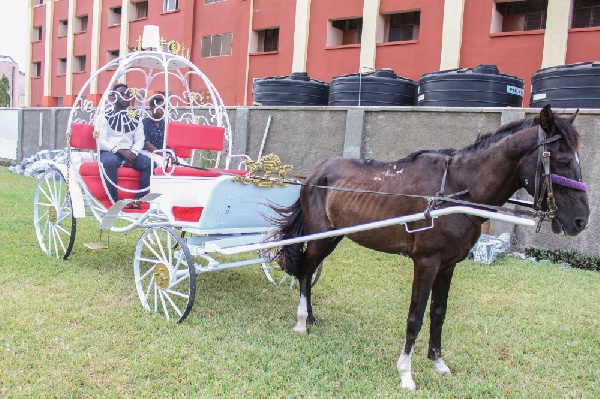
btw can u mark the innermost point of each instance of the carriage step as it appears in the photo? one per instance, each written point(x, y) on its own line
point(99, 244)
point(113, 213)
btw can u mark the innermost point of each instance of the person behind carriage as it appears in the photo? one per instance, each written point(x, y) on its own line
point(121, 140)
point(154, 127)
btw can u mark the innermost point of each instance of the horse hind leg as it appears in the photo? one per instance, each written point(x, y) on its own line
point(437, 309)
point(316, 252)
point(425, 270)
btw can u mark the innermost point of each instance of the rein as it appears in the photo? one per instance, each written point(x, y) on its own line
point(543, 177)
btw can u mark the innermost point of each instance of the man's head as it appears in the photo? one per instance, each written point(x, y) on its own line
point(122, 96)
point(157, 108)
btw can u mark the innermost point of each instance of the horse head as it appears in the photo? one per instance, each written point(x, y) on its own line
point(552, 174)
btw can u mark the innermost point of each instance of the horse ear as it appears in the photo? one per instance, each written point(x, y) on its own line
point(546, 119)
point(571, 118)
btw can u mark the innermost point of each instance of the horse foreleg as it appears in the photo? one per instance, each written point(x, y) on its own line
point(437, 310)
point(424, 274)
point(304, 313)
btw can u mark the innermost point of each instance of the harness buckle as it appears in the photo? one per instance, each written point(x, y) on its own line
point(546, 154)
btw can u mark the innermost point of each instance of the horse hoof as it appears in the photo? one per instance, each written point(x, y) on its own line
point(441, 367)
point(408, 383)
point(299, 330)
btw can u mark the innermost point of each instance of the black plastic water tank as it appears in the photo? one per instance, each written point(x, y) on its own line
point(482, 86)
point(567, 86)
point(381, 88)
point(296, 89)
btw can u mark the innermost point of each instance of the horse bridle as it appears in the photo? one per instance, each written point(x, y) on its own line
point(544, 180)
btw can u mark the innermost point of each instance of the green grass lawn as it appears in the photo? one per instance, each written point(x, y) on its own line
point(76, 328)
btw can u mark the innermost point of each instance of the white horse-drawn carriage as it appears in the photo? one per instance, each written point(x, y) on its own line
point(190, 213)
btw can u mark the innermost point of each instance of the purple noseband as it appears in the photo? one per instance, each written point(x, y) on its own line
point(563, 181)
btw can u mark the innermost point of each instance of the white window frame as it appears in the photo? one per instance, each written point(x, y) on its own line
point(170, 5)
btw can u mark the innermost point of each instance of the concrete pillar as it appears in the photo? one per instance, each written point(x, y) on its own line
point(69, 98)
point(242, 131)
point(452, 33)
point(249, 50)
point(28, 57)
point(47, 99)
point(95, 50)
point(353, 137)
point(368, 41)
point(556, 35)
point(301, 25)
point(124, 38)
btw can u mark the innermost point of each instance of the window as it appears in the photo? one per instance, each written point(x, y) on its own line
point(170, 5)
point(79, 63)
point(81, 24)
point(344, 31)
point(212, 1)
point(63, 25)
point(216, 45)
point(514, 16)
point(402, 26)
point(114, 16)
point(36, 69)
point(139, 10)
point(36, 35)
point(111, 55)
point(586, 13)
point(35, 3)
point(61, 66)
point(265, 40)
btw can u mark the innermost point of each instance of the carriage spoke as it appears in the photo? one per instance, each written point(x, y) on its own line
point(179, 294)
point(58, 239)
point(150, 285)
point(150, 270)
point(180, 280)
point(166, 295)
point(164, 305)
point(152, 249)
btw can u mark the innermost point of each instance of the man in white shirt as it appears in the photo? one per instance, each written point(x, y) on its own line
point(121, 139)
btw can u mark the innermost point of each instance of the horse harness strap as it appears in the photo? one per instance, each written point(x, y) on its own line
point(543, 180)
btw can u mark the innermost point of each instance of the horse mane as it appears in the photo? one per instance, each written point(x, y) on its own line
point(561, 126)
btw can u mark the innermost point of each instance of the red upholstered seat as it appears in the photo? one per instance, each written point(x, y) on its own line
point(127, 177)
point(185, 137)
point(82, 136)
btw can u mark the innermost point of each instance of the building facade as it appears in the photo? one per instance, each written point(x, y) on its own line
point(10, 69)
point(235, 41)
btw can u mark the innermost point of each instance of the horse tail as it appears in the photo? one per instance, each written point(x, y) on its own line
point(290, 224)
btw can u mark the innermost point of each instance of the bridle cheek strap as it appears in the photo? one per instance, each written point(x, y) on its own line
point(566, 182)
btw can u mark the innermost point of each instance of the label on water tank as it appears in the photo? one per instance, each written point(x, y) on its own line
point(515, 90)
point(539, 96)
point(421, 97)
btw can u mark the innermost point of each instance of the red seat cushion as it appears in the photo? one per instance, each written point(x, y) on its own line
point(187, 213)
point(184, 137)
point(183, 171)
point(126, 177)
point(82, 136)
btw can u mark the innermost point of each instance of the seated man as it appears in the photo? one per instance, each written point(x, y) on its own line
point(121, 139)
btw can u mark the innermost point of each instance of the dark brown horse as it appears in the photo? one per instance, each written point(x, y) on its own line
point(490, 170)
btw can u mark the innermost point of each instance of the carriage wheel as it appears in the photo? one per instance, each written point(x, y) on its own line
point(278, 277)
point(53, 219)
point(165, 274)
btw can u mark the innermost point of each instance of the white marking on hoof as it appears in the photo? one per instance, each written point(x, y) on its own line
point(441, 367)
point(300, 328)
point(404, 368)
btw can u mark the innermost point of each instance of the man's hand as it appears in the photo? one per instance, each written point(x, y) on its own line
point(129, 157)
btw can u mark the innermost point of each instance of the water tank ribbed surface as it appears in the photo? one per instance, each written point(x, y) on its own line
point(567, 86)
point(297, 89)
point(381, 88)
point(482, 86)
